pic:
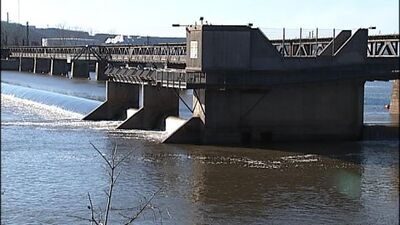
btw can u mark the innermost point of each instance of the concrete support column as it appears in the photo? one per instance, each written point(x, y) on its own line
point(79, 69)
point(58, 67)
point(100, 69)
point(120, 98)
point(41, 65)
point(26, 64)
point(394, 102)
point(158, 104)
point(199, 105)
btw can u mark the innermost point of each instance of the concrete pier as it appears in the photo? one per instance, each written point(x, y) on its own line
point(100, 69)
point(158, 103)
point(189, 132)
point(41, 65)
point(26, 64)
point(80, 69)
point(58, 67)
point(120, 98)
point(394, 103)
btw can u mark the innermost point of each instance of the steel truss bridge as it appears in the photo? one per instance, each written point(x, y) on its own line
point(164, 54)
point(378, 46)
point(160, 53)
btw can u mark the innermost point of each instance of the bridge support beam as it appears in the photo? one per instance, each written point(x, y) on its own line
point(80, 69)
point(26, 64)
point(100, 69)
point(58, 67)
point(41, 65)
point(158, 104)
point(120, 98)
point(394, 102)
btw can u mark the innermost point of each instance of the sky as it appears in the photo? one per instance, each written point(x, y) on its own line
point(155, 17)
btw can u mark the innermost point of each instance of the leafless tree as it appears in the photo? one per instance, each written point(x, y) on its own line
point(99, 217)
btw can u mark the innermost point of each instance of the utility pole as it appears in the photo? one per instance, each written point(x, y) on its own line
point(8, 18)
point(27, 33)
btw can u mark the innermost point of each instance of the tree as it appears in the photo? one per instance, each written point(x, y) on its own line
point(102, 217)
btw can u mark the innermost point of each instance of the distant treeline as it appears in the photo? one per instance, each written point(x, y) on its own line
point(14, 34)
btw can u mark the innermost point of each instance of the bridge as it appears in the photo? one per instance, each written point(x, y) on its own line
point(246, 88)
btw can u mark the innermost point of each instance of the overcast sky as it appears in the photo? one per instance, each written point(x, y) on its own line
point(154, 17)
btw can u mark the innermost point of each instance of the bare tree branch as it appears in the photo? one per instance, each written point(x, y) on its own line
point(101, 154)
point(92, 210)
point(143, 208)
point(113, 162)
point(124, 158)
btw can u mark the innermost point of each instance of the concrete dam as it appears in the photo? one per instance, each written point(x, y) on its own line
point(246, 88)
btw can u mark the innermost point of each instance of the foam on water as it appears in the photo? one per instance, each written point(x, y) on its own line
point(284, 162)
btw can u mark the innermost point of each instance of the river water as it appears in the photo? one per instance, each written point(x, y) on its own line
point(48, 166)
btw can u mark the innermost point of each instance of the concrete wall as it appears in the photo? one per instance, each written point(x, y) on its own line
point(218, 51)
point(120, 97)
point(158, 104)
point(354, 50)
point(302, 112)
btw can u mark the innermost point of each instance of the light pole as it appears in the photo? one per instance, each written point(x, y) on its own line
point(27, 33)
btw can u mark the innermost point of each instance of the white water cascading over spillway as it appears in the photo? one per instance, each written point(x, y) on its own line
point(66, 102)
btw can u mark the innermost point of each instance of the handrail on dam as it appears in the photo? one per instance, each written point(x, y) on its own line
point(169, 78)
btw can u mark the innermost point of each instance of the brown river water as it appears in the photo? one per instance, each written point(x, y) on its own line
point(48, 166)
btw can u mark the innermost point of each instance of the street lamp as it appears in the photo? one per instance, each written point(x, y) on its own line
point(186, 25)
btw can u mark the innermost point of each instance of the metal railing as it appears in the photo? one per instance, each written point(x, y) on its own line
point(378, 46)
point(165, 78)
point(174, 53)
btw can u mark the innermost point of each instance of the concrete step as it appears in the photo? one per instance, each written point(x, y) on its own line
point(182, 131)
point(173, 123)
